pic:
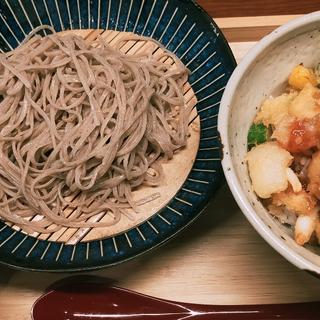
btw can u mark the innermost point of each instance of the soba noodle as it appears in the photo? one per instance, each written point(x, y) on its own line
point(82, 126)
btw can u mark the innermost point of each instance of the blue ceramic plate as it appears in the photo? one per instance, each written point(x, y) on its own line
point(183, 28)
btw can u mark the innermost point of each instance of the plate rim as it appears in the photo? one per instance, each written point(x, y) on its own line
point(187, 221)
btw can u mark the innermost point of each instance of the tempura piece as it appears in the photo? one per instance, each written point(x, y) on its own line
point(300, 76)
point(273, 110)
point(306, 105)
point(268, 165)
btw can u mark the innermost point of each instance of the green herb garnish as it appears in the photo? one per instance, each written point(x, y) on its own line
point(258, 133)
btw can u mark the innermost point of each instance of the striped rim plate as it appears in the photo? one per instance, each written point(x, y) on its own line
point(183, 28)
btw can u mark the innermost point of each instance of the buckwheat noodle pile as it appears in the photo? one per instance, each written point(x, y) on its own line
point(82, 126)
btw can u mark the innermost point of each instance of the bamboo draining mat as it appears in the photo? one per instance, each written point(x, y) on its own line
point(175, 175)
point(219, 259)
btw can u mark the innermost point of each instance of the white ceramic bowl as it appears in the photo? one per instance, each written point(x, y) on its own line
point(264, 72)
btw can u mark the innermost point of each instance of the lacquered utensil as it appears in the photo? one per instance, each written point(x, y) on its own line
point(95, 298)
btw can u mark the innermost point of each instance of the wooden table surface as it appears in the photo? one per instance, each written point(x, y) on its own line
point(239, 8)
point(220, 259)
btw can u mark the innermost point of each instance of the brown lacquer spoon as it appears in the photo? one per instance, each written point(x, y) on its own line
point(96, 299)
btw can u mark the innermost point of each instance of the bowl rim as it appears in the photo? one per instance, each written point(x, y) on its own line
point(278, 244)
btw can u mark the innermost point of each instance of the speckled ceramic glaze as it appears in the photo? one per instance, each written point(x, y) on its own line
point(264, 72)
point(183, 28)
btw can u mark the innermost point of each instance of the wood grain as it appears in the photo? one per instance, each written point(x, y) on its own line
point(240, 8)
point(250, 28)
point(220, 259)
point(246, 33)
